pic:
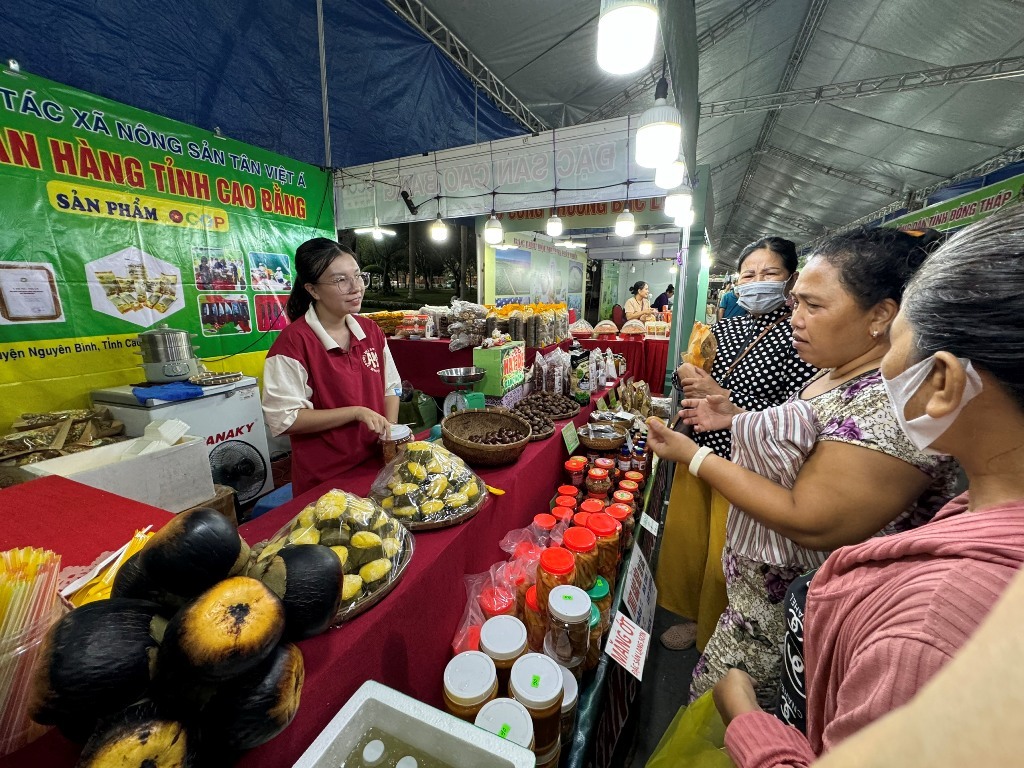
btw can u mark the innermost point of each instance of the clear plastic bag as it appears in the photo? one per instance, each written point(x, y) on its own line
point(426, 486)
point(374, 548)
point(465, 311)
point(633, 328)
point(581, 329)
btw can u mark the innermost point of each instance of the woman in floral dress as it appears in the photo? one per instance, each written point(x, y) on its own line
point(828, 468)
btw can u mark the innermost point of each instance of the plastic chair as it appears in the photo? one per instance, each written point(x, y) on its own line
point(618, 316)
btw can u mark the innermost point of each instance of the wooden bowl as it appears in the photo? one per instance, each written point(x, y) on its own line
point(457, 428)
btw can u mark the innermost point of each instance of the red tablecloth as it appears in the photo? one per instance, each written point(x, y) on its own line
point(655, 364)
point(419, 361)
point(405, 642)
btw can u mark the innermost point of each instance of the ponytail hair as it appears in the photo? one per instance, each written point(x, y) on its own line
point(637, 287)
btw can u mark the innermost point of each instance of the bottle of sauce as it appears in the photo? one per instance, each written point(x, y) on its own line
point(470, 681)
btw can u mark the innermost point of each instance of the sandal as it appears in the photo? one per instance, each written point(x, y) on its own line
point(680, 637)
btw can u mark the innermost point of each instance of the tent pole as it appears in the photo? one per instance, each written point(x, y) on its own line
point(323, 81)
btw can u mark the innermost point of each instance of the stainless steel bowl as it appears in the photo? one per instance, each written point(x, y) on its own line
point(455, 376)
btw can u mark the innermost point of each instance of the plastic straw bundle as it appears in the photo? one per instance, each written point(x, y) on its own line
point(29, 604)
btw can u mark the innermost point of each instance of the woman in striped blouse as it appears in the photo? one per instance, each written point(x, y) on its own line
point(829, 467)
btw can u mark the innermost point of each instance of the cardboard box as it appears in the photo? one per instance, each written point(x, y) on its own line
point(176, 478)
point(505, 366)
point(223, 501)
point(507, 400)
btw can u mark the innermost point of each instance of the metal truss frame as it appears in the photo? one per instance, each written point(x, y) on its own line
point(423, 19)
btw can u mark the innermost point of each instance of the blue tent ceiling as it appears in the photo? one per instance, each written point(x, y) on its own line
point(252, 69)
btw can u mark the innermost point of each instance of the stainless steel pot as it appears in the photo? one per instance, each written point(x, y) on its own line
point(165, 345)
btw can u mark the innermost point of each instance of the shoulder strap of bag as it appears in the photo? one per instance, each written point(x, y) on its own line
point(752, 344)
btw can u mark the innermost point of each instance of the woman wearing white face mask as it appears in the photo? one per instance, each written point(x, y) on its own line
point(828, 468)
point(755, 367)
point(885, 616)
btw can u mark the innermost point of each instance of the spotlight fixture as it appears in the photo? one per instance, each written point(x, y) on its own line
point(660, 132)
point(493, 233)
point(625, 224)
point(626, 34)
point(677, 202)
point(438, 230)
point(554, 226)
point(646, 247)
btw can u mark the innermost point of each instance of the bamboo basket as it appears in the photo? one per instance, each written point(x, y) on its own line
point(457, 428)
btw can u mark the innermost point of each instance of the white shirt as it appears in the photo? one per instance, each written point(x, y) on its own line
point(285, 380)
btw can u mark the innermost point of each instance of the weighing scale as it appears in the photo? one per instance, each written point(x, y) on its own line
point(461, 398)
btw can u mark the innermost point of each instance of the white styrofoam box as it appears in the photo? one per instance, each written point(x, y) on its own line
point(174, 479)
point(169, 431)
point(437, 733)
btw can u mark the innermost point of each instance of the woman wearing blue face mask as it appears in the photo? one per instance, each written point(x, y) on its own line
point(885, 616)
point(755, 367)
point(828, 468)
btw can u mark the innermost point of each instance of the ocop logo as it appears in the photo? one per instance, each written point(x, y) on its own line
point(197, 220)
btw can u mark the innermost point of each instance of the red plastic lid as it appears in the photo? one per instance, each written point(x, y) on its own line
point(558, 561)
point(527, 550)
point(628, 485)
point(592, 506)
point(634, 477)
point(604, 525)
point(618, 511)
point(576, 463)
point(531, 599)
point(623, 497)
point(544, 521)
point(568, 490)
point(496, 601)
point(563, 513)
point(598, 474)
point(565, 501)
point(605, 463)
point(580, 519)
point(579, 540)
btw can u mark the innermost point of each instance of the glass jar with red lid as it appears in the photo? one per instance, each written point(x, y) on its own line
point(557, 567)
point(606, 529)
point(497, 602)
point(580, 519)
point(606, 464)
point(635, 476)
point(566, 501)
point(624, 517)
point(582, 542)
point(542, 526)
point(563, 514)
point(576, 471)
point(599, 483)
point(625, 497)
point(571, 490)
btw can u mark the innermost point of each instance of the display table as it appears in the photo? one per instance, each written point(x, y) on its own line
point(646, 358)
point(419, 361)
point(404, 643)
point(630, 348)
point(655, 364)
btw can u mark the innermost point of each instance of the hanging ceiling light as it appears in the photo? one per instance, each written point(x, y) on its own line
point(632, 269)
point(646, 247)
point(671, 175)
point(493, 233)
point(376, 231)
point(685, 218)
point(676, 203)
point(660, 132)
point(625, 224)
point(570, 243)
point(438, 230)
point(626, 35)
point(673, 269)
point(554, 226)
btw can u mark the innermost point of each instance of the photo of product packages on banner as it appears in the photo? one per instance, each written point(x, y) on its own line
point(126, 221)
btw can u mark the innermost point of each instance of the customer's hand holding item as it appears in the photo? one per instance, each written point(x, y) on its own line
point(668, 444)
point(734, 695)
point(697, 382)
point(709, 413)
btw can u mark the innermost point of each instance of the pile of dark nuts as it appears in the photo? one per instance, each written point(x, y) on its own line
point(540, 409)
point(498, 437)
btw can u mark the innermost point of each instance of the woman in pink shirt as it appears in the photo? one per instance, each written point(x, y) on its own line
point(884, 616)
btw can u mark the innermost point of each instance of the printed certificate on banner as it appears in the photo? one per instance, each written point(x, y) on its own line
point(628, 645)
point(640, 593)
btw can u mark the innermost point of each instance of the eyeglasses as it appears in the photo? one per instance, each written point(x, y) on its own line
point(349, 283)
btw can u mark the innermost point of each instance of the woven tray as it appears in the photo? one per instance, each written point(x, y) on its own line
point(535, 436)
point(448, 522)
point(601, 443)
point(456, 428)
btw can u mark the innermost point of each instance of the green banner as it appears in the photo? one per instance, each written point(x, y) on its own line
point(965, 209)
point(114, 220)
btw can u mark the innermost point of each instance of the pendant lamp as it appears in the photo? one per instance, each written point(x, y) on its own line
point(676, 203)
point(438, 230)
point(660, 132)
point(646, 247)
point(493, 233)
point(626, 34)
point(625, 224)
point(670, 176)
point(554, 226)
point(685, 218)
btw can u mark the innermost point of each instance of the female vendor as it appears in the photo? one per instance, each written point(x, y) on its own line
point(329, 381)
point(638, 307)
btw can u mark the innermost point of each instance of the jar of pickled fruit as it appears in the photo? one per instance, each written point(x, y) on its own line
point(497, 602)
point(535, 621)
point(598, 483)
point(606, 529)
point(576, 471)
point(583, 544)
point(601, 596)
point(624, 517)
point(594, 649)
point(557, 568)
point(637, 477)
point(568, 637)
point(571, 490)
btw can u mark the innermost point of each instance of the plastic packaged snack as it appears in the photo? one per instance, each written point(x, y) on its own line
point(373, 547)
point(426, 486)
point(633, 328)
point(606, 328)
point(581, 329)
